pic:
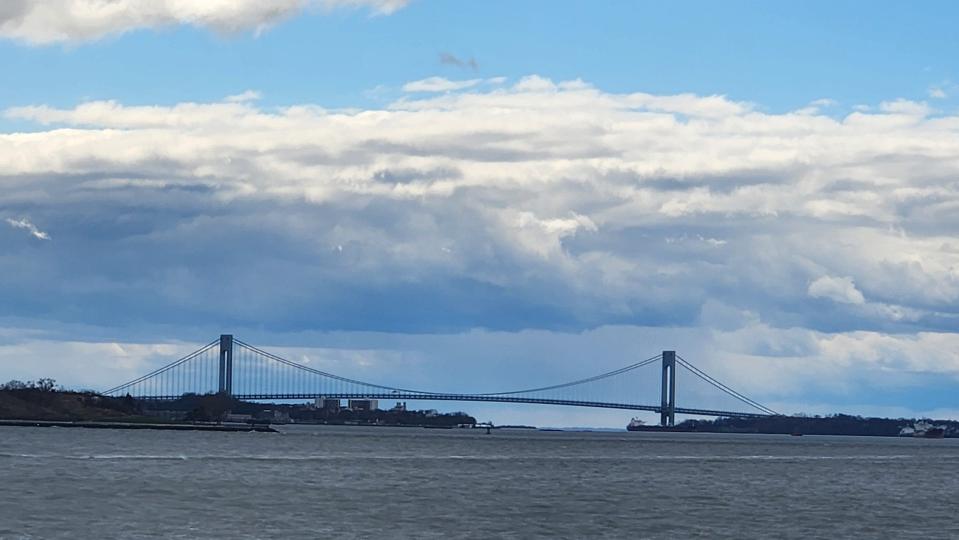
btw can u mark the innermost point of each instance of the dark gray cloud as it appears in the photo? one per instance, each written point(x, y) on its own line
point(449, 59)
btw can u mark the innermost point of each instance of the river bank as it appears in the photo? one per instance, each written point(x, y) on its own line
point(140, 425)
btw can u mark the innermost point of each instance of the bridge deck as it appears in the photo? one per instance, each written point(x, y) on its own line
point(480, 398)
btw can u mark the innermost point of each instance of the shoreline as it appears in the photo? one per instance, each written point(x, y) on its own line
point(228, 428)
point(660, 429)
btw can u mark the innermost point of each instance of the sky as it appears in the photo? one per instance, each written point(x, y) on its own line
point(459, 195)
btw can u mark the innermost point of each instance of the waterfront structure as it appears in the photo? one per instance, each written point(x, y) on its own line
point(364, 404)
point(327, 404)
point(232, 367)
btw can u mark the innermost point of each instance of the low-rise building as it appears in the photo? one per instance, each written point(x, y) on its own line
point(364, 404)
point(328, 404)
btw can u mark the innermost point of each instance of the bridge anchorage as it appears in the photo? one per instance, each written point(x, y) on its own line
point(235, 368)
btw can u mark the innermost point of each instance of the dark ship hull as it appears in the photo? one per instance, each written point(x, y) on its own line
point(932, 433)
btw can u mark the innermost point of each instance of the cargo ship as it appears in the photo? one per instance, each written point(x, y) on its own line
point(638, 425)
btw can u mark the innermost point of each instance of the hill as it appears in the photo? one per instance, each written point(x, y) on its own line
point(43, 401)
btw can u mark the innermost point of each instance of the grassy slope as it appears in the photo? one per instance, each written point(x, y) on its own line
point(39, 405)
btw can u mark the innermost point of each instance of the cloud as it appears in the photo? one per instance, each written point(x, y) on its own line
point(248, 95)
point(29, 227)
point(817, 105)
point(452, 60)
point(906, 107)
point(542, 204)
point(86, 365)
point(57, 21)
point(937, 92)
point(837, 289)
point(438, 84)
point(824, 102)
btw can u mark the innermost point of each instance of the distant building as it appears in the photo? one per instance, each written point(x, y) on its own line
point(327, 404)
point(399, 407)
point(364, 404)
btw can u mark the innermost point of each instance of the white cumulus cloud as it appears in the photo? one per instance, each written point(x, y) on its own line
point(837, 289)
point(906, 107)
point(53, 21)
point(438, 84)
point(247, 95)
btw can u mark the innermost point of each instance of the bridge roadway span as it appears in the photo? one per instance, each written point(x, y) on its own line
point(483, 398)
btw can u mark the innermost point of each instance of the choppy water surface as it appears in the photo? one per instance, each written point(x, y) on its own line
point(399, 483)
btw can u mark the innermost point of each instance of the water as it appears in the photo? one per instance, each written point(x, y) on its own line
point(350, 482)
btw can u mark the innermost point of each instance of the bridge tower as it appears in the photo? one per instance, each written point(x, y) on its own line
point(226, 364)
point(667, 411)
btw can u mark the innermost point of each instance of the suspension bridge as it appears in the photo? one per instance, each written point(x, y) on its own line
point(235, 368)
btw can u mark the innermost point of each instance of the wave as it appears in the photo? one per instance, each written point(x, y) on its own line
point(485, 457)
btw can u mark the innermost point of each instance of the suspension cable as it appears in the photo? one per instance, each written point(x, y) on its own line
point(392, 388)
point(167, 367)
point(323, 373)
point(706, 377)
point(314, 371)
point(580, 381)
point(717, 384)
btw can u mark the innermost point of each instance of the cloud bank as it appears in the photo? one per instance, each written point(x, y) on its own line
point(56, 21)
point(799, 240)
